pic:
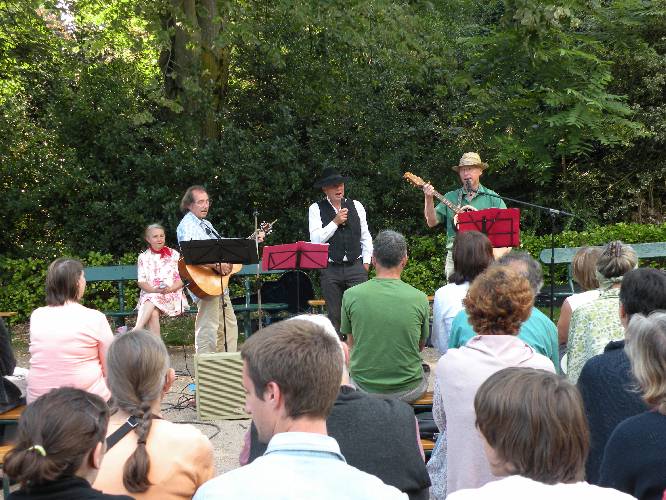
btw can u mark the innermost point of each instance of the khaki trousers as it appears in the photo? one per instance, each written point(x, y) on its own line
point(209, 330)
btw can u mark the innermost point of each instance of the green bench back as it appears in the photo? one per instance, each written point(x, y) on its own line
point(110, 273)
point(566, 255)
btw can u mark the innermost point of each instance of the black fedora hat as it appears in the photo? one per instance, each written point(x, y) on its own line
point(329, 177)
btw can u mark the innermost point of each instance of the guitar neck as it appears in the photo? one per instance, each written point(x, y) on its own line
point(440, 197)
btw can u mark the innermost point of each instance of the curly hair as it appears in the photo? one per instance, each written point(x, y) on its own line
point(498, 301)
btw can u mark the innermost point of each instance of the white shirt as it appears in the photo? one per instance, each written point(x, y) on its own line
point(523, 488)
point(298, 465)
point(321, 234)
point(447, 303)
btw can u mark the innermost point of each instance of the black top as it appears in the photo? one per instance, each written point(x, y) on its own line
point(71, 488)
point(346, 240)
point(10, 395)
point(635, 457)
point(376, 435)
point(610, 395)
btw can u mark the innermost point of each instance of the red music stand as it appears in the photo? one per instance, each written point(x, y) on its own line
point(295, 256)
point(501, 225)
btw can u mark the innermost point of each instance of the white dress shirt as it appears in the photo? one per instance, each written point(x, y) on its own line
point(321, 234)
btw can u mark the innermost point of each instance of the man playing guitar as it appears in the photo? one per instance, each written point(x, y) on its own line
point(208, 330)
point(472, 195)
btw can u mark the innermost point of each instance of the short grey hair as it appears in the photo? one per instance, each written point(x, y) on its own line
point(389, 248)
point(646, 349)
point(534, 273)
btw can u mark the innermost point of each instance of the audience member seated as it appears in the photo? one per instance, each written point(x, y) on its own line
point(377, 435)
point(59, 447)
point(387, 323)
point(159, 281)
point(10, 395)
point(534, 431)
point(68, 342)
point(595, 324)
point(472, 254)
point(498, 301)
point(538, 331)
point(584, 271)
point(606, 384)
point(634, 460)
point(148, 457)
point(291, 375)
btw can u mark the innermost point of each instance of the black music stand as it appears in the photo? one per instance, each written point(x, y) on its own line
point(227, 250)
point(295, 256)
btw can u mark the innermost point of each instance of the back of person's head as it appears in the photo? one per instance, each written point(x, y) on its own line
point(62, 281)
point(584, 267)
point(643, 291)
point(536, 424)
point(499, 300)
point(57, 435)
point(526, 265)
point(302, 359)
point(646, 349)
point(389, 248)
point(616, 260)
point(137, 366)
point(472, 254)
point(188, 197)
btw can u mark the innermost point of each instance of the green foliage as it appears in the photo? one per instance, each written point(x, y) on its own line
point(109, 110)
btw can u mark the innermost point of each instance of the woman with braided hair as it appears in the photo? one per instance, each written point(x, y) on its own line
point(148, 457)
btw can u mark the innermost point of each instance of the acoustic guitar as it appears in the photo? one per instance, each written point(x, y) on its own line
point(203, 281)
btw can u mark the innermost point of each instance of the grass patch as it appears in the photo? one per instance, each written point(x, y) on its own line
point(178, 331)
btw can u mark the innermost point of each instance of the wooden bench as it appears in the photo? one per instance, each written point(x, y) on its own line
point(10, 417)
point(122, 274)
point(565, 255)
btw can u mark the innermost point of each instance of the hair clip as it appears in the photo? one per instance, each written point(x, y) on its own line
point(38, 448)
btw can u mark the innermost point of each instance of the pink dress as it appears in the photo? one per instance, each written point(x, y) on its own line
point(156, 269)
point(68, 347)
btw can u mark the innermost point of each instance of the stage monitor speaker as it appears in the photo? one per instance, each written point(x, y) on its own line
point(219, 392)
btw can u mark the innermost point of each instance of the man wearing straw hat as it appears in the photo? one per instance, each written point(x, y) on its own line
point(472, 195)
point(342, 224)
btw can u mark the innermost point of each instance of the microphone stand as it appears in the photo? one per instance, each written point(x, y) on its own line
point(552, 212)
point(258, 279)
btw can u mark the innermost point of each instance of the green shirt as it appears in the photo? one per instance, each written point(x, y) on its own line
point(457, 197)
point(388, 319)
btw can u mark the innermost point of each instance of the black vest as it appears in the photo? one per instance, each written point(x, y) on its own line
point(376, 435)
point(346, 241)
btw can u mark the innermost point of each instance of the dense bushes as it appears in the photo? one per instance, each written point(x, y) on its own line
point(22, 285)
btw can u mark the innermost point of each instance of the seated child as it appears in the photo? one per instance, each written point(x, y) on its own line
point(160, 283)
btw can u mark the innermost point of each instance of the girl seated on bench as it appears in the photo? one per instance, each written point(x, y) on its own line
point(160, 283)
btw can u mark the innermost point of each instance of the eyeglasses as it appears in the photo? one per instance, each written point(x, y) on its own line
point(202, 203)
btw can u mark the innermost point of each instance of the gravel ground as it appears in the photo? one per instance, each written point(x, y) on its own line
point(226, 435)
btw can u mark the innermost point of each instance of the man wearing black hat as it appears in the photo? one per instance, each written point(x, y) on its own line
point(342, 224)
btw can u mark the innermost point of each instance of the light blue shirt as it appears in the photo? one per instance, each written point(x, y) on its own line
point(538, 332)
point(192, 227)
point(298, 465)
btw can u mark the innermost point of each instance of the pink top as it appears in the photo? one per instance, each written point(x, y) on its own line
point(460, 372)
point(68, 347)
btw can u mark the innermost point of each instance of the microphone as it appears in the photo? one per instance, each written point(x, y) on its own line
point(468, 185)
point(343, 204)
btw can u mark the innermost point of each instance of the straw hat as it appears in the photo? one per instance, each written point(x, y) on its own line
point(470, 160)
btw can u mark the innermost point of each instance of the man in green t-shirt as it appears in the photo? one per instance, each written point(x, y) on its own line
point(471, 195)
point(386, 323)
